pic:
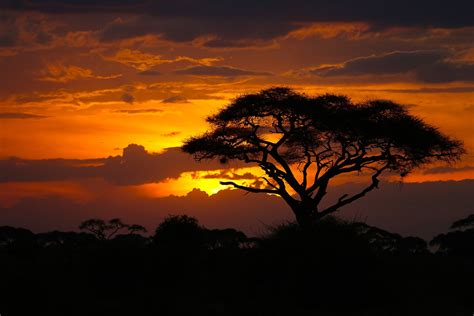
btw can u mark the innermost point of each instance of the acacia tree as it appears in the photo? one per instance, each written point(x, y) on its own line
point(106, 230)
point(303, 142)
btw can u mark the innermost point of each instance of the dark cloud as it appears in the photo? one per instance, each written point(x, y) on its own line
point(139, 111)
point(7, 40)
point(447, 72)
point(427, 90)
point(149, 73)
point(75, 6)
point(128, 98)
point(16, 169)
point(189, 27)
point(230, 175)
point(391, 63)
point(428, 66)
point(171, 134)
point(30, 30)
point(420, 209)
point(222, 43)
point(439, 170)
point(231, 24)
point(399, 12)
point(175, 99)
point(17, 115)
point(219, 71)
point(135, 166)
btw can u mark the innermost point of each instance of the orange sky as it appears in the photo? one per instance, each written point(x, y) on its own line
point(79, 85)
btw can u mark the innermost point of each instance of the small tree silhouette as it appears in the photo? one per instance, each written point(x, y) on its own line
point(467, 222)
point(106, 230)
point(459, 241)
point(302, 143)
point(133, 229)
point(180, 230)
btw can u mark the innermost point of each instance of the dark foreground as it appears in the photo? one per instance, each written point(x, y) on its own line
point(184, 269)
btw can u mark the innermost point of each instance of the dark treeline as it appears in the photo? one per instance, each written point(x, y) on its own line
point(350, 268)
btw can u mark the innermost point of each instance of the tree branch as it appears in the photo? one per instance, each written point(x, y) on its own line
point(249, 189)
point(343, 200)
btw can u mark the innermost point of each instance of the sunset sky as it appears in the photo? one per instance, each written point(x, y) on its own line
point(97, 96)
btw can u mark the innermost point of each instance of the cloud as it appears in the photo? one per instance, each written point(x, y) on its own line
point(445, 71)
point(149, 73)
point(139, 111)
point(439, 170)
point(184, 20)
point(17, 115)
point(225, 174)
point(171, 134)
point(434, 66)
point(175, 99)
point(135, 166)
point(65, 73)
point(219, 71)
point(329, 30)
point(420, 209)
point(462, 89)
point(128, 98)
point(390, 63)
point(144, 61)
point(27, 31)
point(190, 27)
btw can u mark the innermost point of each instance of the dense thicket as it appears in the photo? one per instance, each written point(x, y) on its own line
point(186, 269)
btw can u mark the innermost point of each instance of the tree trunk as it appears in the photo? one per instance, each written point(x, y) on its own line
point(306, 218)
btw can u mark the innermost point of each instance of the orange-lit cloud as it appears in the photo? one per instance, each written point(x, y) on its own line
point(329, 30)
point(64, 73)
point(144, 61)
point(79, 86)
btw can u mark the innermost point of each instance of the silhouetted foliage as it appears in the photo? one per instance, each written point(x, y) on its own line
point(302, 143)
point(384, 241)
point(16, 238)
point(131, 240)
point(133, 229)
point(339, 268)
point(459, 242)
point(107, 230)
point(180, 230)
point(464, 223)
point(64, 239)
point(225, 238)
point(341, 234)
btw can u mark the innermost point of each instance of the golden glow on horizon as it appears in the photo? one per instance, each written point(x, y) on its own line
point(197, 180)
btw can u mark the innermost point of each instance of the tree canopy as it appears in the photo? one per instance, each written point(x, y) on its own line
point(302, 142)
point(106, 230)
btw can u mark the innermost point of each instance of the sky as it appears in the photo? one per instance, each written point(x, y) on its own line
point(97, 96)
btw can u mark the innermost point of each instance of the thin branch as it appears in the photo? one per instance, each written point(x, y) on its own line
point(249, 189)
point(343, 200)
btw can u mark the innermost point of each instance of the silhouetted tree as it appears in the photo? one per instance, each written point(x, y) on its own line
point(64, 239)
point(106, 230)
point(16, 238)
point(225, 238)
point(464, 222)
point(457, 242)
point(133, 229)
point(180, 230)
point(302, 143)
point(383, 241)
